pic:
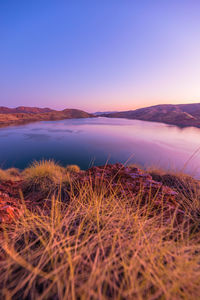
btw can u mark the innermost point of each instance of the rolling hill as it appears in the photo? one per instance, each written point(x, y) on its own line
point(21, 115)
point(181, 114)
point(24, 109)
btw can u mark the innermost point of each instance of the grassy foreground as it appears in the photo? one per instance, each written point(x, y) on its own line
point(89, 242)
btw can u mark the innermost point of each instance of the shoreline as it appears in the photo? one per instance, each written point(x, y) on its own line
point(19, 122)
point(153, 121)
point(24, 122)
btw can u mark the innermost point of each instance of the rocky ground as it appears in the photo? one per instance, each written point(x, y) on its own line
point(137, 231)
point(130, 182)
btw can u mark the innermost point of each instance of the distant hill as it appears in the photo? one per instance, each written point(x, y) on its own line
point(180, 114)
point(99, 113)
point(21, 115)
point(24, 109)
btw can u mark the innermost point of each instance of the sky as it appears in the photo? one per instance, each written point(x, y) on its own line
point(99, 55)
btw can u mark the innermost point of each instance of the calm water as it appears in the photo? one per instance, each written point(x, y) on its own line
point(89, 142)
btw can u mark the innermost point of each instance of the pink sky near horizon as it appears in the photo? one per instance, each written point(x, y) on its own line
point(93, 109)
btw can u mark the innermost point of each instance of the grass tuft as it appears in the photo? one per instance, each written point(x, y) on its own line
point(4, 175)
point(9, 174)
point(44, 176)
point(73, 169)
point(13, 172)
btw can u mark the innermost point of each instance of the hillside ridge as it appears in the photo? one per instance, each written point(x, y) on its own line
point(21, 115)
point(182, 115)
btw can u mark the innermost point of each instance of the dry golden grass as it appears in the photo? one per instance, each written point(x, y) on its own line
point(100, 247)
point(3, 175)
point(13, 172)
point(44, 176)
point(9, 174)
point(73, 169)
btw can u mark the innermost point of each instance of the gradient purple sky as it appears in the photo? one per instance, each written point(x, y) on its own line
point(99, 55)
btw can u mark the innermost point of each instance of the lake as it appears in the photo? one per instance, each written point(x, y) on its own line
point(88, 142)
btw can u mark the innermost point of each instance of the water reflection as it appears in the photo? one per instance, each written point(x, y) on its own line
point(37, 137)
point(82, 141)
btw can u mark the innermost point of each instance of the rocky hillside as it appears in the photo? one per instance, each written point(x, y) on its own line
point(37, 114)
point(24, 109)
point(180, 115)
